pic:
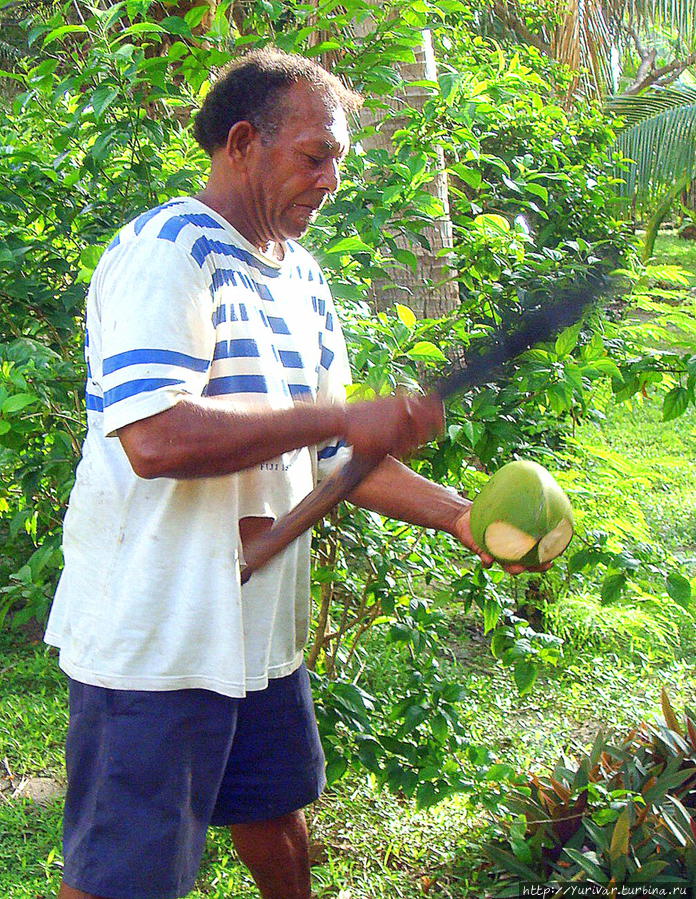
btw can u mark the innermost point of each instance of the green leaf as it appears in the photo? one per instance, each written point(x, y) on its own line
point(176, 25)
point(473, 431)
point(17, 402)
point(525, 674)
point(567, 340)
point(679, 588)
point(405, 257)
point(620, 836)
point(612, 586)
point(675, 403)
point(102, 98)
point(469, 176)
point(336, 768)
point(490, 222)
point(513, 865)
point(538, 190)
point(195, 16)
point(427, 794)
point(142, 28)
point(63, 30)
point(406, 316)
point(588, 865)
point(500, 642)
point(491, 615)
point(424, 349)
point(348, 245)
point(606, 366)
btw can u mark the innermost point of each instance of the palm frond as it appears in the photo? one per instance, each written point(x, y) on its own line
point(659, 135)
point(677, 14)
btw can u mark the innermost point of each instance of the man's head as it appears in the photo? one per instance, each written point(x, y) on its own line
point(275, 127)
point(254, 88)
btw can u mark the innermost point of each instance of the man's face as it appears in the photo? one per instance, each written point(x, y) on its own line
point(292, 175)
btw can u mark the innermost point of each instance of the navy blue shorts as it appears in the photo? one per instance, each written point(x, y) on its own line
point(149, 771)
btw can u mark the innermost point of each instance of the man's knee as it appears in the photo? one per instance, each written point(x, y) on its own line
point(274, 838)
point(277, 854)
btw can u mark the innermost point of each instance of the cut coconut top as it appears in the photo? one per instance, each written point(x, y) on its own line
point(555, 542)
point(505, 541)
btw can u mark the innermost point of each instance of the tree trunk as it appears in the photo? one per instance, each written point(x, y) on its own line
point(429, 290)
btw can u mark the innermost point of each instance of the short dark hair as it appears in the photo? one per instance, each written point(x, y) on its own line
point(251, 89)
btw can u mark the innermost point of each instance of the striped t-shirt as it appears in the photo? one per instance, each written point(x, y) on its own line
point(182, 305)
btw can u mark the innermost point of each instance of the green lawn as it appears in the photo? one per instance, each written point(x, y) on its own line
point(672, 250)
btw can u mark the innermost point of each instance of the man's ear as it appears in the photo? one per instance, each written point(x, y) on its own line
point(239, 138)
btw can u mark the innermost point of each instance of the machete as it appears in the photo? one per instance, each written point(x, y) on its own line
point(520, 330)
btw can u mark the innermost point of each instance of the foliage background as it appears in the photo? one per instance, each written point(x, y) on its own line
point(96, 128)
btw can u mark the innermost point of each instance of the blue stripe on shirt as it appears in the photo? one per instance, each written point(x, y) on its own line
point(94, 403)
point(329, 451)
point(140, 385)
point(263, 291)
point(173, 227)
point(297, 390)
point(236, 384)
point(204, 246)
point(242, 347)
point(114, 243)
point(278, 325)
point(153, 357)
point(290, 359)
point(143, 219)
point(327, 356)
point(223, 276)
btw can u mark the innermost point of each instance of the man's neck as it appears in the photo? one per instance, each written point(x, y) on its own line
point(232, 209)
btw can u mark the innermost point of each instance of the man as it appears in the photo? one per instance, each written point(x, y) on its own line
point(216, 370)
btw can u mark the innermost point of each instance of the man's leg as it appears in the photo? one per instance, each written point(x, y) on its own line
point(277, 854)
point(67, 892)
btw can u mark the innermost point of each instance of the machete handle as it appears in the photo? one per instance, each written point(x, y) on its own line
point(307, 513)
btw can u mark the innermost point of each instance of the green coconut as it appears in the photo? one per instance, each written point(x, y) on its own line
point(522, 515)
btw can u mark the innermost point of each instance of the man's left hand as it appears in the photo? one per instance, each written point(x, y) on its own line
point(462, 531)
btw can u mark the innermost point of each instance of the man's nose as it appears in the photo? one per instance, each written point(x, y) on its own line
point(330, 176)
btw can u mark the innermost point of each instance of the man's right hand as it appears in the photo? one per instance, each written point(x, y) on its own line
point(393, 425)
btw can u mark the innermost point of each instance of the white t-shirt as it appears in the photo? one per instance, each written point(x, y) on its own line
point(182, 305)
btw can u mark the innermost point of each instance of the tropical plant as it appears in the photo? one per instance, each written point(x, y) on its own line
point(621, 814)
point(658, 137)
point(591, 38)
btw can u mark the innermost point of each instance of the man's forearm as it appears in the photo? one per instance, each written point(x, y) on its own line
point(395, 491)
point(205, 438)
point(200, 437)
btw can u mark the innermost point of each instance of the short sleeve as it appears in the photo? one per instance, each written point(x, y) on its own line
point(334, 377)
point(156, 337)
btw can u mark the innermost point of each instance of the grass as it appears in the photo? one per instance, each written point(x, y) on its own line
point(635, 430)
point(672, 250)
point(369, 844)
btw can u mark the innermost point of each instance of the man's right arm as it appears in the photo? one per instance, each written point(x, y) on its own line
point(200, 437)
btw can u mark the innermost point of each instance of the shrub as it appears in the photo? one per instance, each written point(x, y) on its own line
point(622, 813)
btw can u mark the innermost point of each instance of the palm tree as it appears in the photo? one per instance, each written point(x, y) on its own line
point(659, 136)
point(589, 36)
point(658, 130)
point(430, 288)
